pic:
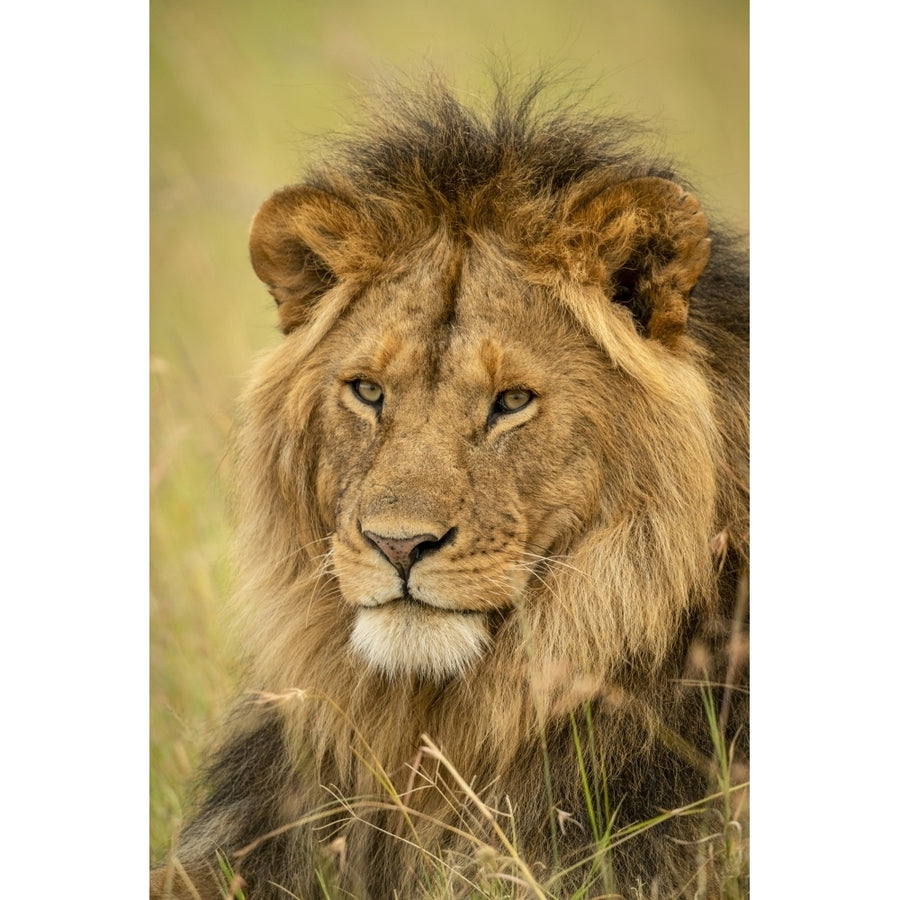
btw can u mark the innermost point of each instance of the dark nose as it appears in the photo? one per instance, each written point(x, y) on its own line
point(403, 552)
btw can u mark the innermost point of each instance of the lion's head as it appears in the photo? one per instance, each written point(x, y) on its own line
point(477, 434)
point(488, 406)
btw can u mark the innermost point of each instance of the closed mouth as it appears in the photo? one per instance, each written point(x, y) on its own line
point(409, 600)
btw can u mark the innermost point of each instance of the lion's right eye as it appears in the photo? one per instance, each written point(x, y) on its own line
point(368, 391)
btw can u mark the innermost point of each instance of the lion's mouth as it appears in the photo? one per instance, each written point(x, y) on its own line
point(407, 599)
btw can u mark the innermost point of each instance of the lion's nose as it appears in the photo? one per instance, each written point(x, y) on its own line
point(403, 552)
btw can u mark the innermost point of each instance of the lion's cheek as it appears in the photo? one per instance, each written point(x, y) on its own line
point(495, 587)
point(404, 639)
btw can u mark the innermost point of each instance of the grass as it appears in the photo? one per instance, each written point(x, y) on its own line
point(236, 89)
point(495, 869)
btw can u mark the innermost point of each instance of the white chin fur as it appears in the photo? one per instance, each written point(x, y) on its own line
point(410, 639)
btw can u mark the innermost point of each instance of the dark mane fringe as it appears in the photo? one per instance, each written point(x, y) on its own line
point(421, 146)
point(420, 138)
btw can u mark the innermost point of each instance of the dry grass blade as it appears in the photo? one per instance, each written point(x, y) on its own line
point(431, 749)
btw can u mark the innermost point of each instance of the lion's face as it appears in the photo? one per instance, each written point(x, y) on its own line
point(456, 452)
point(492, 425)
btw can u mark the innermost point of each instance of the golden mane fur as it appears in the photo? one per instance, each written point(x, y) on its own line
point(492, 495)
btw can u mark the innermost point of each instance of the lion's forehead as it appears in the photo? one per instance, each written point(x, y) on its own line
point(467, 321)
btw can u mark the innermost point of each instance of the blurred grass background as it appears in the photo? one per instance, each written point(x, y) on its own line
point(238, 93)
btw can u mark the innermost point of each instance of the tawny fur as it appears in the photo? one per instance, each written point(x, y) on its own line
point(594, 540)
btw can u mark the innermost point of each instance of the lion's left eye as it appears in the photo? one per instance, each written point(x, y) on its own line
point(509, 402)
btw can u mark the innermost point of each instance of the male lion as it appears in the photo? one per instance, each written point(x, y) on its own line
point(493, 527)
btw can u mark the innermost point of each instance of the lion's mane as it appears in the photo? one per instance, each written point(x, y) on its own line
point(588, 705)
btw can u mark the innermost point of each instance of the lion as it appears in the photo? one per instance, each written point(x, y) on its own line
point(492, 491)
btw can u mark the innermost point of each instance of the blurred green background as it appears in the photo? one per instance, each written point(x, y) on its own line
point(239, 91)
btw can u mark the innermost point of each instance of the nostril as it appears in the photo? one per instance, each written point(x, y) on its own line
point(448, 538)
point(403, 552)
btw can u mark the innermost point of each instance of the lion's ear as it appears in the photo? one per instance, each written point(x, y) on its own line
point(651, 237)
point(296, 241)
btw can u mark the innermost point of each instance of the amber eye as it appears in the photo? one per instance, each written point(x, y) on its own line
point(368, 391)
point(509, 402)
point(512, 401)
